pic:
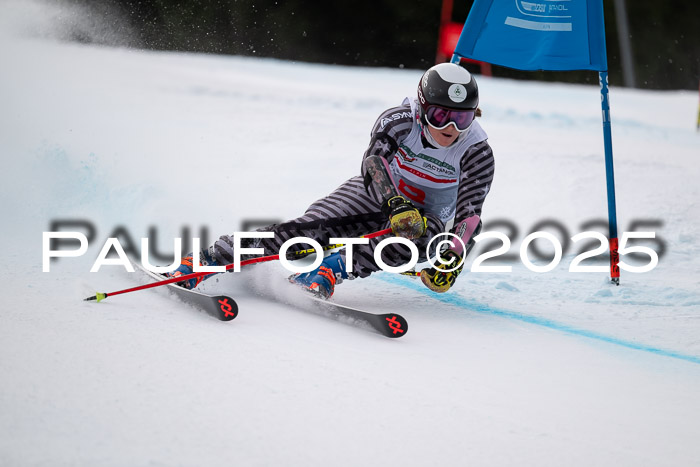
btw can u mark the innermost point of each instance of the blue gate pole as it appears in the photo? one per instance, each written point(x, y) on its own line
point(610, 178)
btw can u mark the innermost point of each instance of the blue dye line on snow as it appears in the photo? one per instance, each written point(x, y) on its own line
point(456, 300)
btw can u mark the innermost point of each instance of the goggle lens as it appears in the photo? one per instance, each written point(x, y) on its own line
point(439, 118)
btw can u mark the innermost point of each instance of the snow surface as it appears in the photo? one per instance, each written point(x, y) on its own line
point(512, 368)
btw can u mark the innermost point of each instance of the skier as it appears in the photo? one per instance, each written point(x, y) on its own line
point(427, 170)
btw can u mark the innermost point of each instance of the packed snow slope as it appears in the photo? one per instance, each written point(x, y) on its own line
point(515, 368)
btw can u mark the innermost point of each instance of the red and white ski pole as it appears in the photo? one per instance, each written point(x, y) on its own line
point(99, 296)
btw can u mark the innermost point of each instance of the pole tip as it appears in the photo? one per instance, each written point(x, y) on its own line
point(97, 297)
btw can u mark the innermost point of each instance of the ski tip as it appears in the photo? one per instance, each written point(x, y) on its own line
point(98, 297)
point(227, 308)
point(395, 325)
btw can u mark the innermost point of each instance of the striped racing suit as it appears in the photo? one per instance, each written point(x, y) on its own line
point(447, 184)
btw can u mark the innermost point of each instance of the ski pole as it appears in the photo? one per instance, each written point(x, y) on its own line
point(99, 296)
point(411, 273)
point(303, 253)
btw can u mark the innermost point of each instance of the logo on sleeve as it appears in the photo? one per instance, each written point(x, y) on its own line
point(392, 117)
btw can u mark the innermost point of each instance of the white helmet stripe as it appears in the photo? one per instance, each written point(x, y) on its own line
point(453, 74)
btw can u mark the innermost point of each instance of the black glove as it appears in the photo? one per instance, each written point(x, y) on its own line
point(406, 220)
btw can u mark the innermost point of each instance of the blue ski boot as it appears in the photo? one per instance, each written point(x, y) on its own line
point(321, 281)
point(186, 268)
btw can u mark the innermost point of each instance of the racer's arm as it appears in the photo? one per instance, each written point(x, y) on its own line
point(391, 128)
point(477, 170)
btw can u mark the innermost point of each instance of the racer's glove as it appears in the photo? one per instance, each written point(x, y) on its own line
point(406, 220)
point(437, 278)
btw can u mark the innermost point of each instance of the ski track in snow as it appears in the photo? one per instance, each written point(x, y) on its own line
point(518, 368)
point(473, 306)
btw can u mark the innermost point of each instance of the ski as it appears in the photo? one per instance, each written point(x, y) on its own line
point(224, 308)
point(220, 307)
point(391, 325)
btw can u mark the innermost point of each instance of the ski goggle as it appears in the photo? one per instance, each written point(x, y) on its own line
point(439, 118)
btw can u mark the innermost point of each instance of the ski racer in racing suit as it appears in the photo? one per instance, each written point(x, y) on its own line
point(427, 170)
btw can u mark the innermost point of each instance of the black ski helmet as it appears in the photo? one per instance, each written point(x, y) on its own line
point(447, 85)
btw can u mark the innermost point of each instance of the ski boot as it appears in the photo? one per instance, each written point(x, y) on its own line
point(321, 281)
point(187, 268)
